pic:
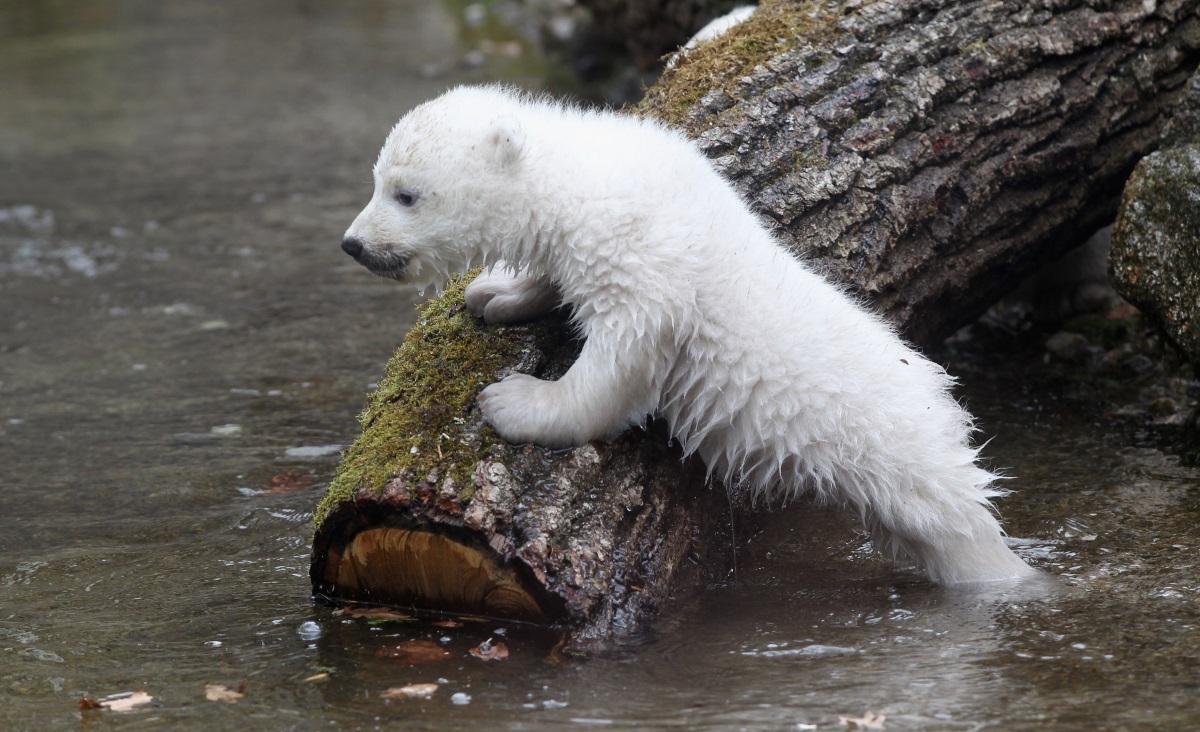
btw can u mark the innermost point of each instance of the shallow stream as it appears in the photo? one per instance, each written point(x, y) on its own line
point(183, 350)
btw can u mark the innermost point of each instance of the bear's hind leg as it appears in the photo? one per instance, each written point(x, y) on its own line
point(964, 545)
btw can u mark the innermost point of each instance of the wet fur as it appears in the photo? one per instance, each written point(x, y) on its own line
point(780, 382)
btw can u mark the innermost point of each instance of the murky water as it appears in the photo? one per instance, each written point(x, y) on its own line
point(182, 348)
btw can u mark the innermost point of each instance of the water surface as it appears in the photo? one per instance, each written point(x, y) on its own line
point(183, 349)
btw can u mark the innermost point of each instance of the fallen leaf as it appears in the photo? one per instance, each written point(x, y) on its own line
point(412, 691)
point(414, 652)
point(289, 482)
point(220, 692)
point(87, 704)
point(128, 703)
point(870, 720)
point(489, 651)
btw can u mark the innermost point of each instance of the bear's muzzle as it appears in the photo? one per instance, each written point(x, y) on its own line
point(386, 263)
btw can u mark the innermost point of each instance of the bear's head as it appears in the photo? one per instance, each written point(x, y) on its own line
point(446, 176)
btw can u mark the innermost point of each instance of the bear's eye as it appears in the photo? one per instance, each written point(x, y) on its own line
point(405, 198)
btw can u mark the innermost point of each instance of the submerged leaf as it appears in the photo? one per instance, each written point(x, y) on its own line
point(414, 652)
point(220, 692)
point(373, 613)
point(447, 624)
point(870, 720)
point(289, 482)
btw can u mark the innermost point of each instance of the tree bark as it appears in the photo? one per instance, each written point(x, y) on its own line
point(928, 154)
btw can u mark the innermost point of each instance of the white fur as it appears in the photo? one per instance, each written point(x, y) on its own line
point(689, 308)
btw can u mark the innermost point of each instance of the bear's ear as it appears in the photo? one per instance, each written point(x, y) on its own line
point(507, 140)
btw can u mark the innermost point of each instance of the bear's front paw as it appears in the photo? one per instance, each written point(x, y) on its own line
point(522, 409)
point(502, 298)
point(482, 290)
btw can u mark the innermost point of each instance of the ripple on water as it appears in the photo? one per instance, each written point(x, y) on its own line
point(18, 635)
point(30, 248)
point(39, 654)
point(813, 649)
point(314, 451)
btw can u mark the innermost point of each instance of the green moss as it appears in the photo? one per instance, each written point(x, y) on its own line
point(777, 25)
point(415, 421)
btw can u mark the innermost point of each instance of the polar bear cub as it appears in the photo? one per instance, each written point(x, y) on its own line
point(689, 309)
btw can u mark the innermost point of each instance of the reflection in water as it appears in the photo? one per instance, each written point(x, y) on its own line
point(183, 347)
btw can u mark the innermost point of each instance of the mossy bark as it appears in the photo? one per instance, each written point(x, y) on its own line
point(927, 153)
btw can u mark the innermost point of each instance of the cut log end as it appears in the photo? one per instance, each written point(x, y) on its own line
point(419, 568)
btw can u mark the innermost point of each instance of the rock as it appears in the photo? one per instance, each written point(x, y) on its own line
point(1070, 347)
point(1155, 259)
point(1163, 407)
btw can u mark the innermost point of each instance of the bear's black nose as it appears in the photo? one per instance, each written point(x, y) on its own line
point(353, 247)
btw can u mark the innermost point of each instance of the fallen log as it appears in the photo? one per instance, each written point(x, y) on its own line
point(928, 154)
